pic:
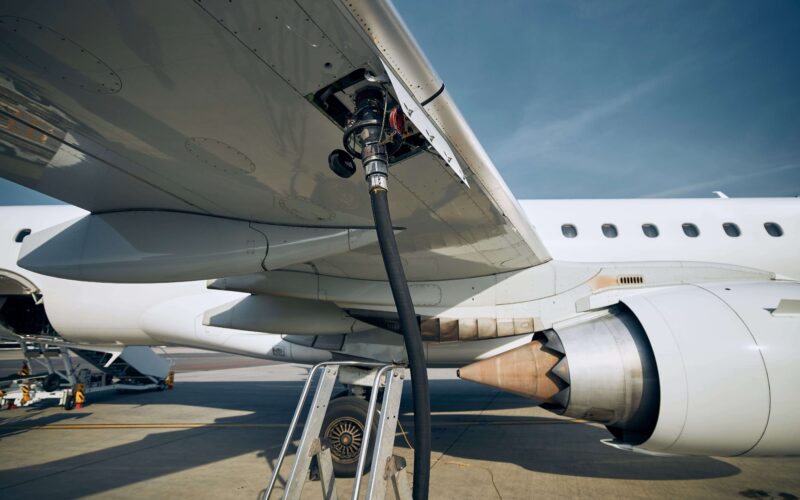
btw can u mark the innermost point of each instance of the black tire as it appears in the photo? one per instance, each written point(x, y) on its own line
point(69, 404)
point(51, 383)
point(344, 428)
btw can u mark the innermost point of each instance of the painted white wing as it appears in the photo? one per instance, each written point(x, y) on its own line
point(209, 108)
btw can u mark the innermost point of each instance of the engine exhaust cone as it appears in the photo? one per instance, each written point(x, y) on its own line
point(524, 370)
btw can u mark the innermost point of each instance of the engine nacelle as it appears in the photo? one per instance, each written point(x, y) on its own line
point(727, 366)
point(694, 369)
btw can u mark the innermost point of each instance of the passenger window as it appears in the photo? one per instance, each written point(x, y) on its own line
point(690, 230)
point(610, 230)
point(650, 230)
point(731, 229)
point(21, 235)
point(773, 229)
point(569, 231)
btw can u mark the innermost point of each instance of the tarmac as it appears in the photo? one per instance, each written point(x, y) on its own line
point(217, 434)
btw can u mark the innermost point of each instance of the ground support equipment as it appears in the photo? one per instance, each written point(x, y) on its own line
point(68, 385)
point(386, 467)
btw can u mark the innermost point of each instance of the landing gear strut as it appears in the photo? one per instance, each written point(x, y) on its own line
point(365, 137)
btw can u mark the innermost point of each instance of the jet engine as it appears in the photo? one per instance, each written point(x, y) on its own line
point(693, 369)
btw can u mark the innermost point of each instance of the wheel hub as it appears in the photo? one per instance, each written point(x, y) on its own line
point(345, 435)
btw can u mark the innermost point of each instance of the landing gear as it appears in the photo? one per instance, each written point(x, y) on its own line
point(343, 427)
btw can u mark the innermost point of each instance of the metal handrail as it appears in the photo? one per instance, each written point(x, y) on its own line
point(373, 402)
point(299, 410)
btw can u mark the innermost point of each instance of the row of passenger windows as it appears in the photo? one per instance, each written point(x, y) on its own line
point(691, 230)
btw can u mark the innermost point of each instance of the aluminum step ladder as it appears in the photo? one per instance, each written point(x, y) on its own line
point(386, 468)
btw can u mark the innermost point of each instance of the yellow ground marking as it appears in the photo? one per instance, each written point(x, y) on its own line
point(248, 426)
point(135, 426)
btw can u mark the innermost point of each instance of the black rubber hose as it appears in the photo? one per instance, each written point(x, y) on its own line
point(413, 341)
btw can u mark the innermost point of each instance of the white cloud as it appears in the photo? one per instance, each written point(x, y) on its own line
point(719, 183)
point(532, 140)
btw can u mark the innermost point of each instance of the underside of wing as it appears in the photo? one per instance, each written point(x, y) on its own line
point(230, 109)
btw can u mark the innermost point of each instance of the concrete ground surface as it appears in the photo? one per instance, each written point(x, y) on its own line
point(218, 432)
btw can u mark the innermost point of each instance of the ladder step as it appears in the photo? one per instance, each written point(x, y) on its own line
point(392, 469)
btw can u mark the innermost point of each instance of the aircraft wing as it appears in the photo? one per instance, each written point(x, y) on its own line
point(227, 109)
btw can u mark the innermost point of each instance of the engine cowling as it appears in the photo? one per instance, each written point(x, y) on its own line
point(693, 369)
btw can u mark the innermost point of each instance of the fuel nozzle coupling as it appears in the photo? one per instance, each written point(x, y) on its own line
point(376, 166)
point(363, 136)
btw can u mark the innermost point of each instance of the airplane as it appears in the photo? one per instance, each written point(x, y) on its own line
point(211, 205)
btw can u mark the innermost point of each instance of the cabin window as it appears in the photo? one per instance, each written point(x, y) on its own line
point(21, 235)
point(773, 229)
point(610, 230)
point(731, 229)
point(690, 230)
point(569, 231)
point(650, 230)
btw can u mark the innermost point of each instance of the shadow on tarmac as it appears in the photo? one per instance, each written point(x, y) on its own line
point(460, 429)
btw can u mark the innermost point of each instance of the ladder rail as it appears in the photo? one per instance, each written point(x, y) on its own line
point(290, 432)
point(373, 403)
point(299, 410)
point(311, 430)
point(385, 437)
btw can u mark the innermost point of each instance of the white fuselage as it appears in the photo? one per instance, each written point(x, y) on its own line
point(172, 313)
point(753, 248)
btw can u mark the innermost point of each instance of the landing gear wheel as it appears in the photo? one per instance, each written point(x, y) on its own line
point(344, 428)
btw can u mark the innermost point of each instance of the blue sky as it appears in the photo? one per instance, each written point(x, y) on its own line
point(625, 98)
point(618, 98)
